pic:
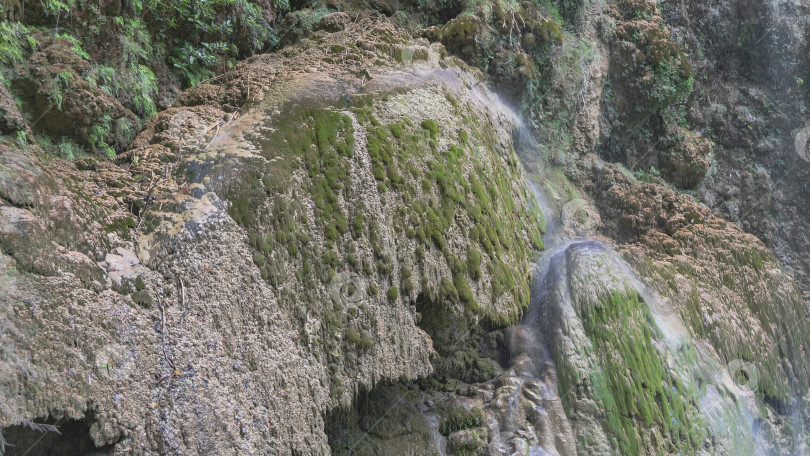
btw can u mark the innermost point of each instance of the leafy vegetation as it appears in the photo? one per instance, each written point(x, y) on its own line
point(135, 87)
point(63, 148)
point(670, 83)
point(196, 40)
point(455, 417)
point(15, 45)
point(100, 135)
point(58, 86)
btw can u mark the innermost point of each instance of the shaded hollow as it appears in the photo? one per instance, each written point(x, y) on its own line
point(52, 437)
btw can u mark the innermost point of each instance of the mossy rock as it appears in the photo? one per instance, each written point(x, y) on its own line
point(458, 35)
point(644, 404)
point(459, 413)
point(143, 299)
point(467, 441)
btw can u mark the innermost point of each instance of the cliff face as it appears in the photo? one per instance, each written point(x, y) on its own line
point(266, 248)
point(702, 105)
point(756, 109)
point(329, 247)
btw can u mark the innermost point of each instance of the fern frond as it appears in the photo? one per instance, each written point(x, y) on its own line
point(41, 427)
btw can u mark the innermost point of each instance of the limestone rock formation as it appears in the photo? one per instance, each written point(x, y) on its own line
point(328, 243)
point(267, 248)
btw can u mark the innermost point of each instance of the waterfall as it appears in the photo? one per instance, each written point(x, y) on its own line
point(733, 414)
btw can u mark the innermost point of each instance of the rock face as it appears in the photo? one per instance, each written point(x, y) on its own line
point(634, 379)
point(685, 94)
point(761, 176)
point(268, 248)
point(619, 391)
point(517, 410)
point(328, 248)
point(680, 141)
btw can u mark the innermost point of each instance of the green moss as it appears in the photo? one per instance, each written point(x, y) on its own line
point(633, 384)
point(358, 223)
point(465, 294)
point(143, 299)
point(258, 259)
point(365, 342)
point(456, 417)
point(392, 294)
point(331, 232)
point(395, 148)
point(462, 137)
point(447, 290)
point(474, 262)
point(406, 284)
point(432, 127)
point(330, 259)
point(396, 130)
point(502, 280)
point(122, 226)
point(319, 143)
point(352, 336)
point(335, 386)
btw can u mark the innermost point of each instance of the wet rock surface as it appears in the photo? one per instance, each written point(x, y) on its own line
point(194, 296)
point(518, 411)
point(327, 248)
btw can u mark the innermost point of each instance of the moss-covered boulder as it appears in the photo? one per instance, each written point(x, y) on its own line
point(615, 380)
point(289, 237)
point(511, 42)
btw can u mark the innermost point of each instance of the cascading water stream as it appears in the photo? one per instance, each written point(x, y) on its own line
point(731, 411)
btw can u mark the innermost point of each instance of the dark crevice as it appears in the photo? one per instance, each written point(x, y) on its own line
point(450, 9)
point(52, 437)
